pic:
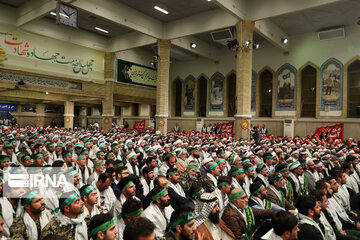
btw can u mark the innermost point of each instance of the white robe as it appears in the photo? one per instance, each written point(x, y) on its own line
point(154, 214)
point(31, 229)
point(146, 187)
point(109, 200)
point(177, 188)
point(7, 214)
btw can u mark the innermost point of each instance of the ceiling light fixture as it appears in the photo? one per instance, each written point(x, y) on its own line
point(284, 40)
point(63, 15)
point(256, 45)
point(161, 9)
point(209, 0)
point(193, 45)
point(101, 30)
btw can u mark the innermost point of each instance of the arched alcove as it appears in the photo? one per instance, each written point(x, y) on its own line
point(231, 93)
point(266, 85)
point(177, 93)
point(308, 92)
point(202, 95)
point(353, 97)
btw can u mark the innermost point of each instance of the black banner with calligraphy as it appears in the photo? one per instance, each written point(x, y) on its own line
point(133, 73)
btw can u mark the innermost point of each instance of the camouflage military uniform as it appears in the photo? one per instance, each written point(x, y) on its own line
point(208, 185)
point(53, 228)
point(88, 217)
point(18, 229)
point(187, 181)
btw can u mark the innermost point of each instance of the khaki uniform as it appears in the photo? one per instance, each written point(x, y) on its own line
point(18, 229)
point(53, 228)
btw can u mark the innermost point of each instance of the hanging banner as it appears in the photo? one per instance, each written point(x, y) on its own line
point(10, 107)
point(216, 95)
point(133, 73)
point(330, 132)
point(139, 125)
point(331, 84)
point(286, 77)
point(226, 127)
point(189, 94)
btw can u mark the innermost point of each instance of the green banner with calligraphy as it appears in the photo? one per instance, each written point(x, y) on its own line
point(133, 73)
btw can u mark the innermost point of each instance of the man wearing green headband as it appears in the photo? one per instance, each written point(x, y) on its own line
point(72, 181)
point(240, 218)
point(194, 156)
point(173, 178)
point(68, 159)
point(4, 163)
point(159, 210)
point(69, 222)
point(102, 227)
point(181, 157)
point(275, 191)
point(128, 190)
point(131, 210)
point(283, 169)
point(262, 175)
point(99, 169)
point(222, 190)
point(38, 159)
point(90, 197)
point(258, 198)
point(250, 173)
point(182, 225)
point(210, 181)
point(83, 170)
point(238, 177)
point(9, 151)
point(35, 217)
point(269, 162)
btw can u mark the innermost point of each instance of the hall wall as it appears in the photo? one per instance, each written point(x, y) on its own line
point(303, 49)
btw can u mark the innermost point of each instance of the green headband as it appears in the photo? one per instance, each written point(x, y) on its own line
point(268, 157)
point(239, 171)
point(103, 227)
point(67, 155)
point(214, 165)
point(68, 201)
point(182, 221)
point(81, 157)
point(220, 153)
point(194, 150)
point(5, 159)
point(159, 195)
point(30, 197)
point(250, 169)
point(87, 190)
point(194, 167)
point(100, 153)
point(172, 172)
point(109, 155)
point(246, 160)
point(260, 167)
point(236, 195)
point(70, 174)
point(283, 170)
point(113, 147)
point(38, 155)
point(100, 163)
point(50, 145)
point(23, 158)
point(134, 213)
point(277, 177)
point(258, 190)
point(223, 184)
point(198, 193)
point(46, 169)
point(119, 164)
point(220, 161)
point(45, 154)
point(127, 185)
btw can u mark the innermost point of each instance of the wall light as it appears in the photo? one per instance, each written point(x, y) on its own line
point(284, 40)
point(193, 45)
